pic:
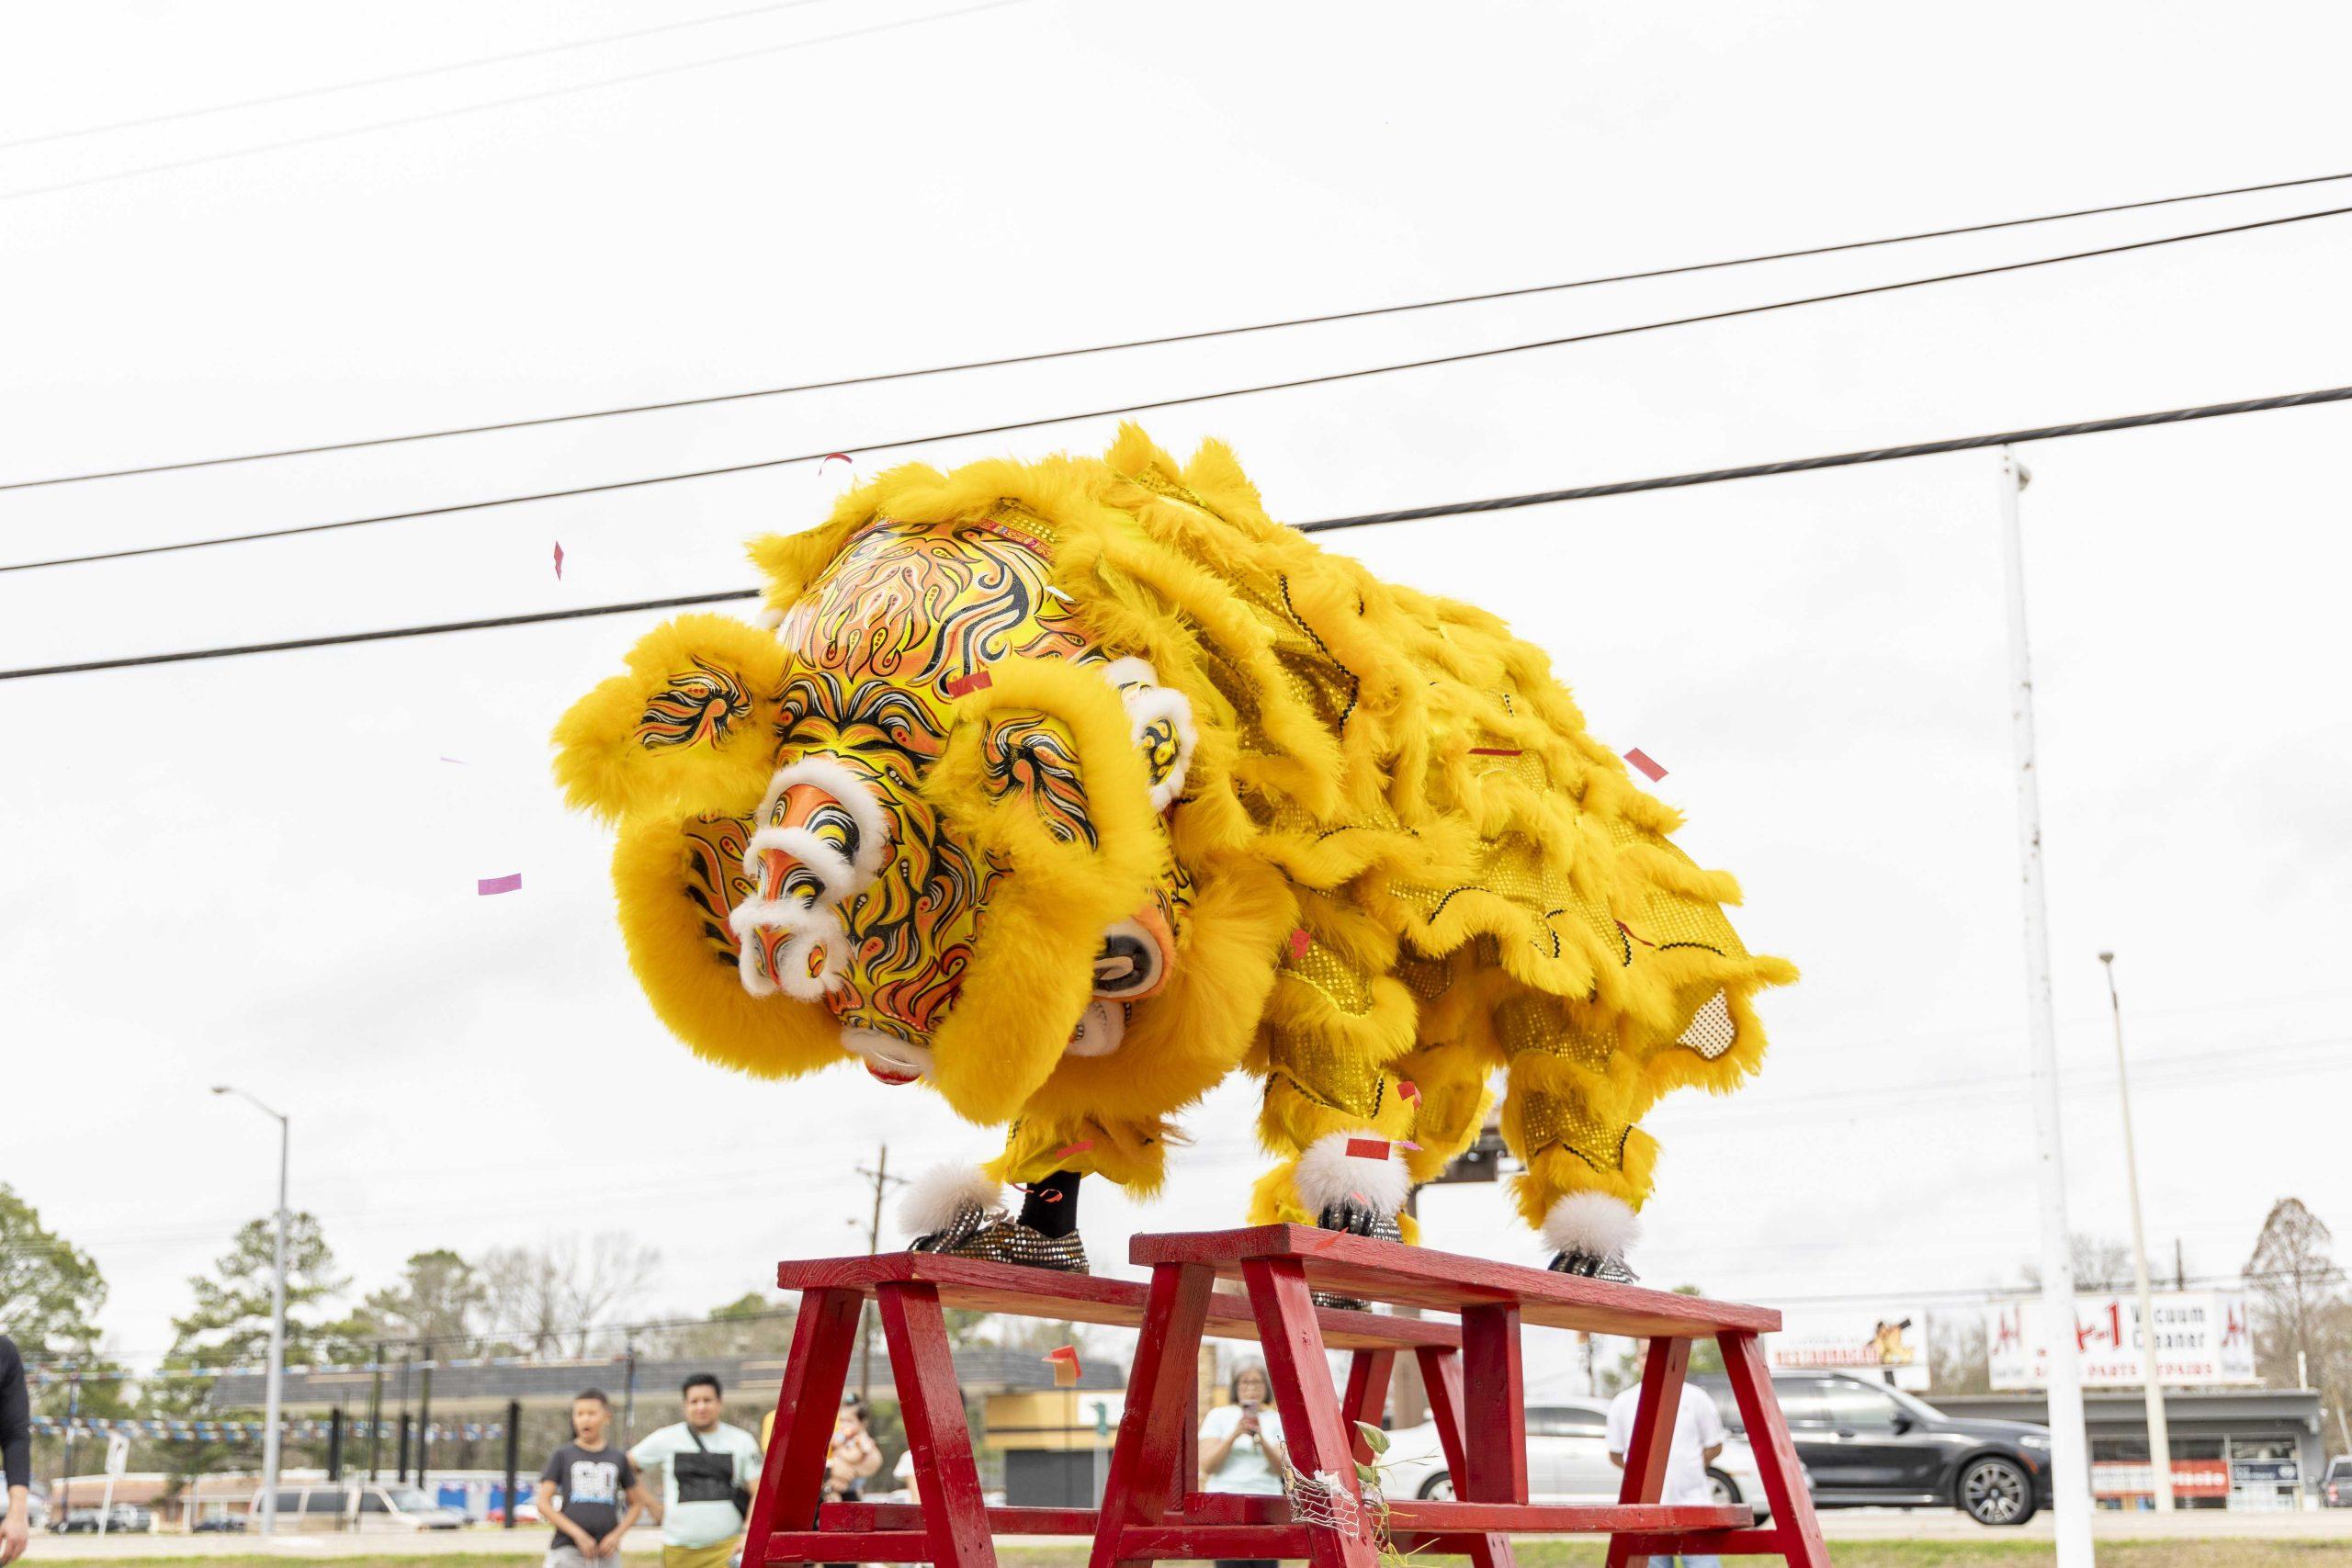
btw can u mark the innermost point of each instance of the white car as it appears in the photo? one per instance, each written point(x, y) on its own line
point(1567, 1460)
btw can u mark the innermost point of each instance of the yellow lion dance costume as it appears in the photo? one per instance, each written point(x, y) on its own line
point(1068, 788)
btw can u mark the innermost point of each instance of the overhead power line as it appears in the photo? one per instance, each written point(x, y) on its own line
point(1053, 353)
point(1324, 379)
point(267, 100)
point(1459, 508)
point(544, 93)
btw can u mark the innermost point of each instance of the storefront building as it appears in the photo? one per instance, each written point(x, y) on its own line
point(2248, 1448)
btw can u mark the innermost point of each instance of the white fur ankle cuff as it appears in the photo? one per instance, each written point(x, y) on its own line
point(940, 1193)
point(1328, 1174)
point(1593, 1224)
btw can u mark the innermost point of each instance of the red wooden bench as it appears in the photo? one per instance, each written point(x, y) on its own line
point(1284, 1265)
point(952, 1524)
point(1150, 1508)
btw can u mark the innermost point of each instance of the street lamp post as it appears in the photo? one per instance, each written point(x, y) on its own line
point(2159, 1440)
point(275, 1398)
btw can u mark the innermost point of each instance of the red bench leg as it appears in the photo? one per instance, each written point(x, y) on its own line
point(792, 1479)
point(1653, 1439)
point(1318, 1437)
point(1367, 1397)
point(1152, 1464)
point(1494, 1404)
point(1776, 1456)
point(1442, 1376)
point(954, 1515)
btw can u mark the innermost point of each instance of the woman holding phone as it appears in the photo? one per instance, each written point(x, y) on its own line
point(1241, 1446)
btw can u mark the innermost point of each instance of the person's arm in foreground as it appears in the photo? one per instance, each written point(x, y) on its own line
point(15, 1451)
point(552, 1512)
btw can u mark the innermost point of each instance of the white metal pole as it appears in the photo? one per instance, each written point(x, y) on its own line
point(2159, 1439)
point(2071, 1451)
point(276, 1400)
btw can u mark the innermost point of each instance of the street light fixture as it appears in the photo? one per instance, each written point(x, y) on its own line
point(2159, 1439)
point(275, 1398)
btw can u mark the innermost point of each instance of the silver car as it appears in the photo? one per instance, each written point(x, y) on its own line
point(1567, 1460)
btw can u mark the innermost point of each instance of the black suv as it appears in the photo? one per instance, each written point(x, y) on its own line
point(1870, 1446)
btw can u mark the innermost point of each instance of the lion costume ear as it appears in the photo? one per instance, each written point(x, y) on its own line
point(1042, 773)
point(1160, 719)
point(689, 729)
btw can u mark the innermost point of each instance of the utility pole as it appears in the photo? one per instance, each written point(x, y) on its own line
point(2159, 1439)
point(2179, 1265)
point(375, 1407)
point(882, 1179)
point(274, 1398)
point(73, 1414)
point(2070, 1445)
point(628, 1392)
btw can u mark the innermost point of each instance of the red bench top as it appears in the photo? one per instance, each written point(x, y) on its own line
point(984, 1286)
point(1371, 1269)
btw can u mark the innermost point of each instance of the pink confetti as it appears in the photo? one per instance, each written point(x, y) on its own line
point(559, 560)
point(1368, 1148)
point(1079, 1147)
point(510, 882)
point(1409, 1144)
point(460, 760)
point(1299, 943)
point(1641, 759)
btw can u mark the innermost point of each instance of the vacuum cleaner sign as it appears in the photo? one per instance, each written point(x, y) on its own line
point(2201, 1337)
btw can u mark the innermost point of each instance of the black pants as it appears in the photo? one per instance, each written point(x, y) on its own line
point(1247, 1562)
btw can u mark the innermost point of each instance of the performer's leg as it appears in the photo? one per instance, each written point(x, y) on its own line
point(1568, 1115)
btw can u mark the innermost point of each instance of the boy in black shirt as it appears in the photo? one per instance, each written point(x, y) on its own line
point(592, 1480)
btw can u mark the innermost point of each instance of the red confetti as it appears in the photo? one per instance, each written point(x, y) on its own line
point(486, 885)
point(1299, 943)
point(1495, 751)
point(1079, 1147)
point(1635, 934)
point(559, 560)
point(1065, 1364)
point(833, 457)
point(1641, 759)
point(1368, 1148)
point(1407, 1088)
point(963, 685)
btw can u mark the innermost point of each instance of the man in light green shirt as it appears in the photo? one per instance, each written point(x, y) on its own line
point(703, 1462)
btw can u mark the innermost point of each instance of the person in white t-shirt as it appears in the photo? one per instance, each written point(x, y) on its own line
point(1241, 1447)
point(1697, 1440)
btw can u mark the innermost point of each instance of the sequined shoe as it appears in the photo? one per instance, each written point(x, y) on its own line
point(1356, 1219)
point(960, 1211)
point(1592, 1267)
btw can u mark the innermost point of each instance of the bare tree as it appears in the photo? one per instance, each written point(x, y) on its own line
point(570, 1287)
point(2302, 1322)
point(524, 1298)
point(2101, 1264)
point(1957, 1360)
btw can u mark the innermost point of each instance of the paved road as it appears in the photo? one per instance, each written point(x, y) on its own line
point(645, 1545)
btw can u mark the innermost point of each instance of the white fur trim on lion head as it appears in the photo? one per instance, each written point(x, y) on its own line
point(806, 930)
point(935, 1199)
point(1328, 1174)
point(1160, 719)
point(1591, 1222)
point(854, 795)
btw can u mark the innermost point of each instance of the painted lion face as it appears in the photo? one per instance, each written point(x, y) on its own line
point(875, 861)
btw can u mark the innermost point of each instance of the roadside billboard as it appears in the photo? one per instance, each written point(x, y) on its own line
point(2201, 1340)
point(1887, 1344)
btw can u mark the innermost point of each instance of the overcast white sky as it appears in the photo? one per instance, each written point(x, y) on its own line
point(262, 871)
